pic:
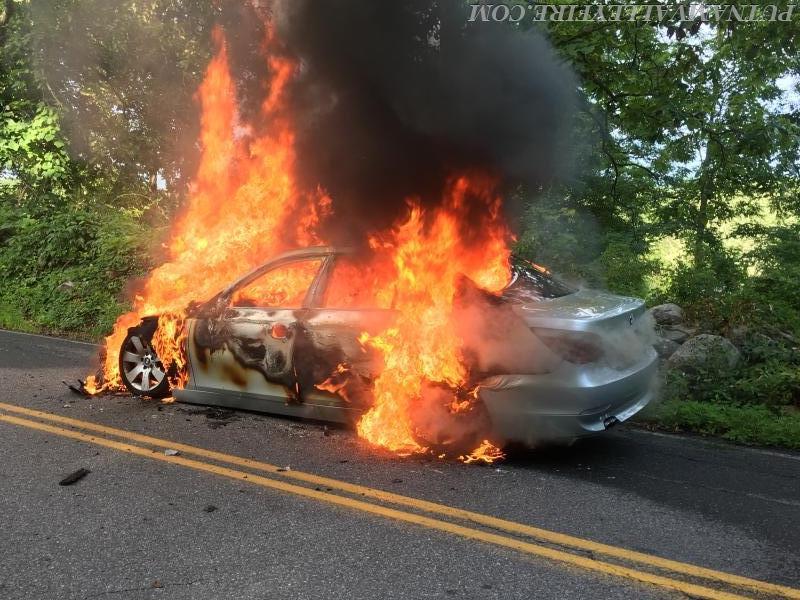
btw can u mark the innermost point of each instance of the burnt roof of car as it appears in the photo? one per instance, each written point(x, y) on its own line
point(310, 252)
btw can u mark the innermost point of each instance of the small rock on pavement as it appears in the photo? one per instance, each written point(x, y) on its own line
point(171, 452)
point(667, 314)
point(74, 477)
point(704, 352)
point(209, 508)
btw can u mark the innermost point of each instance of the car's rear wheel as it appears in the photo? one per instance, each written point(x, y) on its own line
point(140, 368)
point(447, 431)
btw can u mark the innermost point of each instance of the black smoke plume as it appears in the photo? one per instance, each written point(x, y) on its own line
point(394, 97)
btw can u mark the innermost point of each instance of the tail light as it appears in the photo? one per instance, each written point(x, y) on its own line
point(573, 346)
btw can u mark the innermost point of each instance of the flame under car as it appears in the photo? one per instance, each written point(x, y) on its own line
point(549, 362)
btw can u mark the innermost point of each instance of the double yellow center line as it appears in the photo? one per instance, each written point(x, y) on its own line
point(673, 575)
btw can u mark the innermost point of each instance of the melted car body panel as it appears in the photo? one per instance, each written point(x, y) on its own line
point(246, 350)
point(332, 347)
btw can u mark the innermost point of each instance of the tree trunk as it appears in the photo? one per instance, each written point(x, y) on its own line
point(6, 12)
point(705, 181)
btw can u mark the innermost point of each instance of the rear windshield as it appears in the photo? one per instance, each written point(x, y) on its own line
point(531, 283)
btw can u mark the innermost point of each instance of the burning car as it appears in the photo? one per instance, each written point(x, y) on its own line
point(547, 361)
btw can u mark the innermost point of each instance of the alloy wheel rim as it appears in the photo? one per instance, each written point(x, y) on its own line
point(141, 366)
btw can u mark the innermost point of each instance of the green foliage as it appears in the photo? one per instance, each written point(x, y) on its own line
point(33, 146)
point(64, 271)
point(96, 105)
point(769, 375)
point(558, 235)
point(753, 424)
point(720, 294)
point(708, 290)
point(774, 293)
point(685, 121)
point(758, 402)
point(123, 76)
point(626, 270)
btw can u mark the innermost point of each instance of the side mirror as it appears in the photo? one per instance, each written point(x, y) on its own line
point(210, 310)
point(193, 309)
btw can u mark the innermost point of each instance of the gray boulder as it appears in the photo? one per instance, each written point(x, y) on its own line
point(676, 334)
point(704, 352)
point(667, 314)
point(747, 339)
point(665, 347)
point(739, 335)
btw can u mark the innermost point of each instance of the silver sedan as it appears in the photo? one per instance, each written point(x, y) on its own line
point(566, 362)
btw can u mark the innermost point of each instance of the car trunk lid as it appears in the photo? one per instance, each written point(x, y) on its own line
point(589, 326)
point(585, 310)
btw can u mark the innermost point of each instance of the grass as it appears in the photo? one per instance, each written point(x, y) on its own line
point(749, 424)
point(11, 318)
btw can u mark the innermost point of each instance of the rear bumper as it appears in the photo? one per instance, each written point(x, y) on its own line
point(571, 403)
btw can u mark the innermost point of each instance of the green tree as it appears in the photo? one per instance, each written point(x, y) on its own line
point(97, 110)
point(688, 126)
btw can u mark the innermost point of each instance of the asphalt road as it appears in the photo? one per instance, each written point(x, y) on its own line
point(148, 525)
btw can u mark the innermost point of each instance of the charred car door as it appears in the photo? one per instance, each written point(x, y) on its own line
point(346, 304)
point(246, 344)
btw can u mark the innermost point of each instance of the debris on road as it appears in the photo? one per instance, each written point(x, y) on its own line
point(79, 389)
point(284, 469)
point(171, 452)
point(219, 414)
point(217, 417)
point(74, 477)
point(209, 508)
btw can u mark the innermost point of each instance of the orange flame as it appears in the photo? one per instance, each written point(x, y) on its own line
point(242, 198)
point(244, 208)
point(423, 344)
point(486, 453)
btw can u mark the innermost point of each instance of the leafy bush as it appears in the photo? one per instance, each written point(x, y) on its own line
point(626, 270)
point(707, 291)
point(64, 271)
point(759, 401)
point(774, 293)
point(572, 243)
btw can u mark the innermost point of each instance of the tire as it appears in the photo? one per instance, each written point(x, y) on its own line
point(446, 432)
point(140, 369)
